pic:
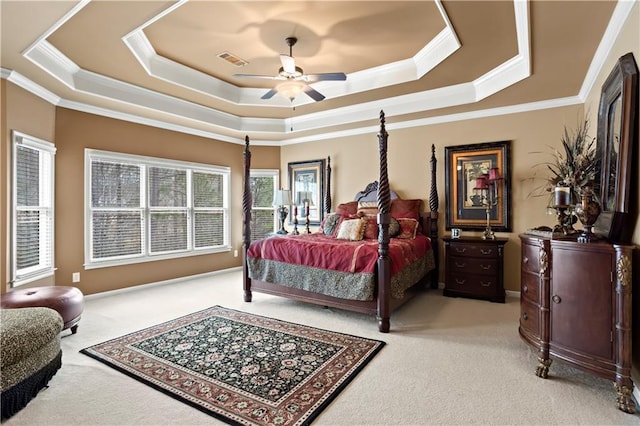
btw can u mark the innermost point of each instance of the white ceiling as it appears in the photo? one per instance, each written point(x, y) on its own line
point(422, 62)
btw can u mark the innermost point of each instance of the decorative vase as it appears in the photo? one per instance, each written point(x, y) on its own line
point(587, 211)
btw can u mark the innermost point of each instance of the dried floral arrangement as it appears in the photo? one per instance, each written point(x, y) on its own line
point(575, 166)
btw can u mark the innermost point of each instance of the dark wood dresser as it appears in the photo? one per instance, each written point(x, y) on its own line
point(575, 306)
point(473, 268)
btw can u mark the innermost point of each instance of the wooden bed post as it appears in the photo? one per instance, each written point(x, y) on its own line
point(384, 218)
point(433, 206)
point(327, 189)
point(246, 220)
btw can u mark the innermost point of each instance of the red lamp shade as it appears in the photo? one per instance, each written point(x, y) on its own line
point(482, 182)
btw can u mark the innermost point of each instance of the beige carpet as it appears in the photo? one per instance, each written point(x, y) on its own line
point(447, 361)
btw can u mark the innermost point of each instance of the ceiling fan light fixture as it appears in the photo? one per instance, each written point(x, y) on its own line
point(295, 74)
point(290, 89)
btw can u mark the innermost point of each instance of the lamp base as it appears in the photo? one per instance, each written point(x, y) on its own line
point(488, 235)
point(283, 215)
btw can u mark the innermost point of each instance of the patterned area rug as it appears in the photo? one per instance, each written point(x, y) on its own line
point(242, 368)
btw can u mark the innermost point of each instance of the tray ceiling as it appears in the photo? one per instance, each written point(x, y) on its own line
point(421, 61)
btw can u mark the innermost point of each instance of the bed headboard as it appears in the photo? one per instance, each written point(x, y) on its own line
point(370, 193)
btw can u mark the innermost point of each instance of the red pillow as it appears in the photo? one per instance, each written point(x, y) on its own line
point(408, 228)
point(371, 231)
point(347, 209)
point(406, 208)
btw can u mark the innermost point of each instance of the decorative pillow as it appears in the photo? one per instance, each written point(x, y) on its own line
point(371, 231)
point(408, 228)
point(368, 207)
point(346, 209)
point(394, 228)
point(352, 229)
point(330, 223)
point(405, 208)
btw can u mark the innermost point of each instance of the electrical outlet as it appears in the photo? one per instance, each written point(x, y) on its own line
point(75, 277)
point(235, 253)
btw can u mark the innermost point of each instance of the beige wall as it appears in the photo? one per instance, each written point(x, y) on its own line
point(35, 117)
point(354, 162)
point(76, 131)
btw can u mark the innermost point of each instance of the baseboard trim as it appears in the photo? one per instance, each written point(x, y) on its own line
point(159, 283)
point(511, 293)
point(508, 293)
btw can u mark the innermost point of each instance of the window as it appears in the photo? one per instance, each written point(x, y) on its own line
point(143, 208)
point(32, 202)
point(263, 184)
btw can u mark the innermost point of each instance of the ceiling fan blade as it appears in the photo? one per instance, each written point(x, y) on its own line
point(269, 94)
point(336, 76)
point(288, 64)
point(267, 77)
point(313, 93)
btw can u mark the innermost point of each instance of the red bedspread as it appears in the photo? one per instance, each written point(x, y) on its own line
point(321, 251)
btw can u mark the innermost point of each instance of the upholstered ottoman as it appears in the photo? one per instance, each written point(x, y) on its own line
point(67, 301)
point(30, 355)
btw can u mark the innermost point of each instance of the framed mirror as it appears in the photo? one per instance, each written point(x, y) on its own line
point(616, 146)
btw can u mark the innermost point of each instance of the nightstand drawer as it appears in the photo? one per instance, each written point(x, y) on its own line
point(473, 284)
point(471, 265)
point(473, 250)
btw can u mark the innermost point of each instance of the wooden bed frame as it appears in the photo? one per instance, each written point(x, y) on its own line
point(383, 303)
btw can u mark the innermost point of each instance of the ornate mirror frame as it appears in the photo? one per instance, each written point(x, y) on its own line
point(616, 146)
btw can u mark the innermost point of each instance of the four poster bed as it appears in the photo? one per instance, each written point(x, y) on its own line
point(371, 255)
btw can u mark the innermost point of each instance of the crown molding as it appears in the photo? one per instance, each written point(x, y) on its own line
point(620, 15)
point(26, 84)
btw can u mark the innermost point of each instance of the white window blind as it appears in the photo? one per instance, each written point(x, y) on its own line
point(32, 201)
point(144, 208)
point(262, 184)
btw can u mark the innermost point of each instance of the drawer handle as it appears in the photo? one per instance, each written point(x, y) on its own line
point(487, 251)
point(556, 299)
point(461, 249)
point(460, 265)
point(525, 289)
point(458, 281)
point(525, 260)
point(483, 284)
point(485, 267)
point(525, 316)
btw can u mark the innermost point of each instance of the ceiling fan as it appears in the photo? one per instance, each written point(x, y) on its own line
point(293, 77)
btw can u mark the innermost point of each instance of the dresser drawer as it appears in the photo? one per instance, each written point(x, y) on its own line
point(530, 287)
point(532, 255)
point(530, 317)
point(473, 265)
point(474, 250)
point(473, 284)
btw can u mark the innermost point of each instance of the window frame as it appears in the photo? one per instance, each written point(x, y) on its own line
point(272, 173)
point(146, 162)
point(40, 271)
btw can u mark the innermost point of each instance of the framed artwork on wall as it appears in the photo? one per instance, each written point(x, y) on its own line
point(306, 182)
point(477, 182)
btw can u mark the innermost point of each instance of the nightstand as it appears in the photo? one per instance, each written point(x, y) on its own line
point(473, 268)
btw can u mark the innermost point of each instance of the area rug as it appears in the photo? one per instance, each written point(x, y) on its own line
point(241, 368)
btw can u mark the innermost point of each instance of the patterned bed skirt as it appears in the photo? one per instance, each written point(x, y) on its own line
point(343, 285)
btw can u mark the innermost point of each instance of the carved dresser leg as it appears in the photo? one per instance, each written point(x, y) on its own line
point(543, 368)
point(624, 400)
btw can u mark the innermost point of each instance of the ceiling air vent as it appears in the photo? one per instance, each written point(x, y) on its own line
point(232, 59)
